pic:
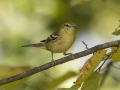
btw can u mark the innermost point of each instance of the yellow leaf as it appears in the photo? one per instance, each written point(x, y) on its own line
point(89, 66)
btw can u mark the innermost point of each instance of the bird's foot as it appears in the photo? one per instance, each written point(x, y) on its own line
point(53, 62)
point(70, 54)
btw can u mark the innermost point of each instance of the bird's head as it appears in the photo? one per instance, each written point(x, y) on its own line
point(69, 26)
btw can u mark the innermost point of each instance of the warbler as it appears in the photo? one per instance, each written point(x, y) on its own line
point(59, 41)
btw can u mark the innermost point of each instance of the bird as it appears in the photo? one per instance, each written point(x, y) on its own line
point(59, 41)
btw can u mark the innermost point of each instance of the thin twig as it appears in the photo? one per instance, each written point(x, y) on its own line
point(85, 45)
point(59, 61)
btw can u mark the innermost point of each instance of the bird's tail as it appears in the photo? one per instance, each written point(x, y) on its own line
point(39, 45)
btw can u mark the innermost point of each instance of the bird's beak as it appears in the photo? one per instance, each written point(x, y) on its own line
point(74, 26)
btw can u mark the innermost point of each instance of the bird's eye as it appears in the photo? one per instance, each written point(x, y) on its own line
point(67, 25)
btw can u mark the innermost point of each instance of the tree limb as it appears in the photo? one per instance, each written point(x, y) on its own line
point(60, 61)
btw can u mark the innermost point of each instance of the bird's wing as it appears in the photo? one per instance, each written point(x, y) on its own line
point(51, 37)
point(44, 42)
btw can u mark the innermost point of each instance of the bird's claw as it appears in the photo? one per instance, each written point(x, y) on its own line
point(53, 62)
point(71, 56)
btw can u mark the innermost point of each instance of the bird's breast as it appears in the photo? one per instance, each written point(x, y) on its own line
point(61, 44)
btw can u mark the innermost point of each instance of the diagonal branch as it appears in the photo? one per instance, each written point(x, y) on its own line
point(60, 61)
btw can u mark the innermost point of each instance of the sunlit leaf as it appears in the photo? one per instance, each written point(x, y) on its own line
point(116, 55)
point(89, 66)
point(92, 82)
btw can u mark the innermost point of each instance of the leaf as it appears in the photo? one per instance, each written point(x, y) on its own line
point(89, 66)
point(116, 55)
point(73, 87)
point(116, 32)
point(92, 82)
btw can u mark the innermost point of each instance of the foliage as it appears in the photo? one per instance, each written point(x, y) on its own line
point(87, 75)
point(91, 83)
point(117, 31)
point(90, 66)
point(116, 56)
point(29, 21)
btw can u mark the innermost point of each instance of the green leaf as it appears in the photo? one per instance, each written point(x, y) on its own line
point(116, 32)
point(116, 55)
point(92, 82)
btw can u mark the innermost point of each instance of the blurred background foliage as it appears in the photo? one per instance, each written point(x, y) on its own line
point(29, 21)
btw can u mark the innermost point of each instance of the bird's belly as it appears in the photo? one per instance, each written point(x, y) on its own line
point(59, 46)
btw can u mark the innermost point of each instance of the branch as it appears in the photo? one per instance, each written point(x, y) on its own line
point(59, 61)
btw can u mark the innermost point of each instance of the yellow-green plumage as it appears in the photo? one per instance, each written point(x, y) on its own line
point(58, 42)
point(63, 42)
